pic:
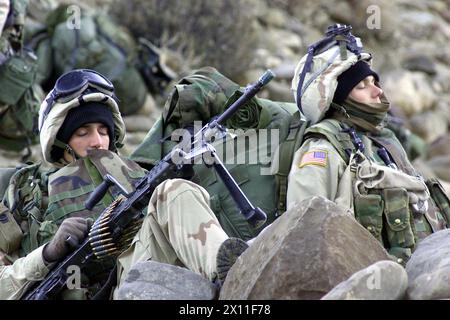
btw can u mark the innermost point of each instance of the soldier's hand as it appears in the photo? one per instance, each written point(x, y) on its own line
point(70, 234)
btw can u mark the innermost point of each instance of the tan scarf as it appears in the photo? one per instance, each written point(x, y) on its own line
point(365, 116)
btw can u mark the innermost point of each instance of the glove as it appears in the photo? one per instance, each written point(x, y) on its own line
point(69, 235)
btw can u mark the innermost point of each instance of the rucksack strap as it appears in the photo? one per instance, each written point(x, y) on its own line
point(440, 198)
point(105, 291)
point(332, 130)
point(399, 158)
point(286, 152)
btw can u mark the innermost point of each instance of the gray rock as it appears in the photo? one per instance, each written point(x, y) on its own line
point(440, 166)
point(410, 91)
point(275, 39)
point(275, 18)
point(429, 125)
point(150, 280)
point(285, 71)
point(440, 147)
point(429, 268)
point(420, 63)
point(417, 23)
point(384, 280)
point(304, 254)
point(279, 91)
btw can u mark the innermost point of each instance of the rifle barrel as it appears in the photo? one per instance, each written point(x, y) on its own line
point(250, 92)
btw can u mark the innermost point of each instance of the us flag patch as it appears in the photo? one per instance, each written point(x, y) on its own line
point(318, 158)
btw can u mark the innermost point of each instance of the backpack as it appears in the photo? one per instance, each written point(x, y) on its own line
point(206, 93)
point(97, 44)
point(101, 45)
point(20, 96)
point(22, 193)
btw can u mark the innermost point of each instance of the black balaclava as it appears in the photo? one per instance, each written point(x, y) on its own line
point(87, 113)
point(350, 78)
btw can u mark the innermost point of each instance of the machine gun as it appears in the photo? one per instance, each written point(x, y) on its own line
point(116, 226)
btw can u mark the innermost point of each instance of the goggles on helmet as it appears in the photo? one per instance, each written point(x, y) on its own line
point(336, 34)
point(74, 84)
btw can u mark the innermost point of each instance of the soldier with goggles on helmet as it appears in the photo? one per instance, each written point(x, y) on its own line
point(81, 130)
point(349, 156)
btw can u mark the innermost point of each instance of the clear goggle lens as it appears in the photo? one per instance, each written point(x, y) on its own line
point(74, 84)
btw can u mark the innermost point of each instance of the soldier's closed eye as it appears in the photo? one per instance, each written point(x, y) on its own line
point(361, 85)
point(82, 131)
point(103, 130)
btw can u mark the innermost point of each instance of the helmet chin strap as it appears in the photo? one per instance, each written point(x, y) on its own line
point(72, 152)
point(66, 147)
point(75, 156)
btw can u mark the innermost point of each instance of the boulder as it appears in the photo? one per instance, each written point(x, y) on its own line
point(429, 125)
point(410, 91)
point(274, 39)
point(420, 62)
point(285, 71)
point(429, 268)
point(384, 280)
point(440, 166)
point(150, 280)
point(304, 254)
point(275, 18)
point(280, 91)
point(440, 147)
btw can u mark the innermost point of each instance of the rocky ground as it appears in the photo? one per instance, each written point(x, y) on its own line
point(315, 250)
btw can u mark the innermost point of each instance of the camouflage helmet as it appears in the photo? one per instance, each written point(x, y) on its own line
point(17, 13)
point(71, 90)
point(318, 70)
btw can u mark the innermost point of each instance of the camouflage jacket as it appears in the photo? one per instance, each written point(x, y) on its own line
point(40, 214)
point(20, 96)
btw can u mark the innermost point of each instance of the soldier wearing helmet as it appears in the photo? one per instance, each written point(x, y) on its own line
point(20, 95)
point(72, 104)
point(81, 130)
point(350, 157)
point(4, 8)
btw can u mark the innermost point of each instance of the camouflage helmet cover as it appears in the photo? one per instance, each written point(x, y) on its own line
point(51, 123)
point(17, 13)
point(320, 82)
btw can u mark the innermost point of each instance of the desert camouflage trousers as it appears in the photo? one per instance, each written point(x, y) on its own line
point(179, 229)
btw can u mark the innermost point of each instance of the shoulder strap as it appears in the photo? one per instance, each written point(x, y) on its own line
point(24, 197)
point(331, 130)
point(5, 176)
point(25, 177)
point(285, 155)
point(388, 140)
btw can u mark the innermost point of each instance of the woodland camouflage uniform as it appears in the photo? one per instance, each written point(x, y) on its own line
point(190, 235)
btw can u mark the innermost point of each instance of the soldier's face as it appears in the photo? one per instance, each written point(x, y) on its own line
point(366, 91)
point(90, 136)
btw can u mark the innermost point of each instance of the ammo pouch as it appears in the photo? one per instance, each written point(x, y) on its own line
point(393, 205)
point(440, 198)
point(10, 232)
point(23, 200)
point(17, 74)
point(382, 194)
